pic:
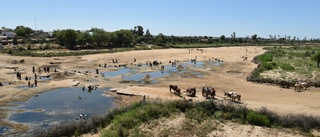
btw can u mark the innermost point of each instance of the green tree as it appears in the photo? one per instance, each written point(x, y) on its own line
point(138, 30)
point(148, 34)
point(84, 38)
point(122, 38)
point(100, 37)
point(254, 37)
point(148, 37)
point(222, 38)
point(67, 38)
point(160, 40)
point(233, 36)
point(316, 57)
point(23, 31)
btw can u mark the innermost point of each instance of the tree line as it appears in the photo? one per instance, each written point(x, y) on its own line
point(97, 37)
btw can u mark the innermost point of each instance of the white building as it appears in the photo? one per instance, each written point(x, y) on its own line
point(8, 34)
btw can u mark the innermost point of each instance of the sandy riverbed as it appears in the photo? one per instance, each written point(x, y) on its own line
point(231, 76)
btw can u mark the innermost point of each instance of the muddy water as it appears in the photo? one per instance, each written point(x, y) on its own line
point(60, 106)
point(133, 74)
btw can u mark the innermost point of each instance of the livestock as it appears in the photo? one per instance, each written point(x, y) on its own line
point(155, 63)
point(191, 92)
point(14, 62)
point(284, 84)
point(304, 85)
point(208, 92)
point(235, 97)
point(228, 94)
point(300, 85)
point(175, 88)
point(22, 61)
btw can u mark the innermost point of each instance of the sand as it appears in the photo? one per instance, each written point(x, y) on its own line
point(231, 76)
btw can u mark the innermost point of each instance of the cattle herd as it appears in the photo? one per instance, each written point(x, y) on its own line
point(207, 92)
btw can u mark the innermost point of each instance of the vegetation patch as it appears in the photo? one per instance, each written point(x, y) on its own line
point(300, 60)
point(125, 121)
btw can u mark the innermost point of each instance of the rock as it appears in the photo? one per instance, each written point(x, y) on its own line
point(113, 90)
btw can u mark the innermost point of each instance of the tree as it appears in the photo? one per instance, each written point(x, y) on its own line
point(160, 40)
point(316, 57)
point(122, 37)
point(148, 34)
point(148, 37)
point(84, 38)
point(222, 38)
point(100, 37)
point(23, 31)
point(233, 35)
point(254, 37)
point(138, 30)
point(67, 38)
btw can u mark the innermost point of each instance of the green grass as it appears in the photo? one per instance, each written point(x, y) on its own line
point(296, 59)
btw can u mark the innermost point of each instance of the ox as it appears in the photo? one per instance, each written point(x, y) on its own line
point(191, 92)
point(175, 88)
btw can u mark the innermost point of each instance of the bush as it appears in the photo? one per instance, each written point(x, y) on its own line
point(257, 119)
point(268, 66)
point(267, 57)
point(28, 47)
point(9, 51)
point(305, 123)
point(287, 67)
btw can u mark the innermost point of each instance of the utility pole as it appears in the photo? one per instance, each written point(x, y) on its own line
point(35, 28)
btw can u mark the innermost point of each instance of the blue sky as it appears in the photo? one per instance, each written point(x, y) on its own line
point(171, 17)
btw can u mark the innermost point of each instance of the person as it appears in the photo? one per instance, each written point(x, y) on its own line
point(33, 69)
point(29, 83)
point(97, 71)
point(35, 82)
point(1, 84)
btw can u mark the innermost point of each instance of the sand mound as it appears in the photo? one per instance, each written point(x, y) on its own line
point(146, 77)
point(180, 67)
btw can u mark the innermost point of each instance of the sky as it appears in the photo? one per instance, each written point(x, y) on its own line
point(300, 18)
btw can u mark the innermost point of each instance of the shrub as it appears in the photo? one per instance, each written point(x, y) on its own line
point(287, 67)
point(305, 123)
point(257, 119)
point(28, 47)
point(267, 57)
point(307, 54)
point(9, 51)
point(273, 117)
point(199, 114)
point(268, 66)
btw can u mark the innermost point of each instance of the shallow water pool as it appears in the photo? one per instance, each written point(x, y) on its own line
point(59, 106)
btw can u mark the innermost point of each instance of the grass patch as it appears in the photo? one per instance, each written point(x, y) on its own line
point(295, 59)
